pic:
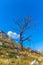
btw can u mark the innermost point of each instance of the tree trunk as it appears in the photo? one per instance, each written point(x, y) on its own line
point(21, 43)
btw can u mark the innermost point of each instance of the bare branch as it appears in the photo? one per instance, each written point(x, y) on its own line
point(14, 28)
point(26, 29)
point(26, 22)
point(27, 38)
point(29, 27)
point(25, 26)
point(19, 23)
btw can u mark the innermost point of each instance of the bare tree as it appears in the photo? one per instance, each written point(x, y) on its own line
point(23, 25)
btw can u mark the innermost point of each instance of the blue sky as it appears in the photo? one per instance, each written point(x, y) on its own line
point(10, 9)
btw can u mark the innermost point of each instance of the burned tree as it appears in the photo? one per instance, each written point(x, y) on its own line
point(24, 25)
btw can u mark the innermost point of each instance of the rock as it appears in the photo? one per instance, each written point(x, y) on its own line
point(35, 62)
point(17, 56)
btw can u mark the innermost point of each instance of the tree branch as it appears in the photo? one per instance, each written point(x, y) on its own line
point(26, 22)
point(26, 38)
point(19, 23)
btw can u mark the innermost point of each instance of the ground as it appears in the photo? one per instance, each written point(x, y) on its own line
point(12, 57)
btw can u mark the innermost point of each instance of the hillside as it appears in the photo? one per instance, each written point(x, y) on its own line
point(8, 42)
point(11, 54)
point(14, 57)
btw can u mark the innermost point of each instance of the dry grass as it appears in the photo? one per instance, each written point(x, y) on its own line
point(20, 61)
point(25, 57)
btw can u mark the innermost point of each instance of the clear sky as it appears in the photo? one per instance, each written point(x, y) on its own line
point(19, 8)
